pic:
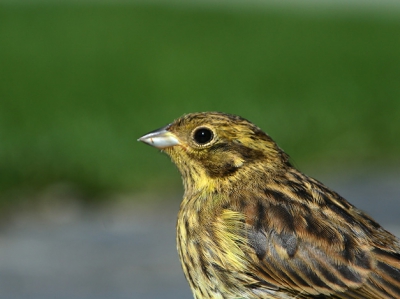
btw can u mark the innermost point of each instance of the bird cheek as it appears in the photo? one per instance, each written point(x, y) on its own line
point(237, 162)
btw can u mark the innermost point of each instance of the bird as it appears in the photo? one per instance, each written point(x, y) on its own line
point(251, 225)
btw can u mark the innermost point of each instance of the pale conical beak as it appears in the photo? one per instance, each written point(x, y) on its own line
point(160, 138)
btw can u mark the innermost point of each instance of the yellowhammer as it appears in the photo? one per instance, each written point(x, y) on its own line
point(252, 226)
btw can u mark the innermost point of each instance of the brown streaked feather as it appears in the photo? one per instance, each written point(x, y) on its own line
point(326, 247)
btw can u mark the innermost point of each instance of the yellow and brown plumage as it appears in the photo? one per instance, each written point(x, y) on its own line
point(252, 226)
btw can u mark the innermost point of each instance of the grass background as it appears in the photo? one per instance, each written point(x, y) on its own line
point(80, 83)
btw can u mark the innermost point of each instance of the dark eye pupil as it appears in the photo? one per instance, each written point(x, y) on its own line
point(203, 135)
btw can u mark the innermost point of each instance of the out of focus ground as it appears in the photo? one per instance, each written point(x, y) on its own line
point(126, 249)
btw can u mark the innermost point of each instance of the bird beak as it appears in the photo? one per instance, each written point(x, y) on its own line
point(160, 138)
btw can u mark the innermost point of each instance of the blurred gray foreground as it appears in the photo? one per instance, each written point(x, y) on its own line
point(126, 249)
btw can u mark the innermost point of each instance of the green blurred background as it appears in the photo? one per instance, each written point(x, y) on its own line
point(79, 83)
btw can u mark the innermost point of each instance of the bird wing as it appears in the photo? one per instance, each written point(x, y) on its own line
point(325, 247)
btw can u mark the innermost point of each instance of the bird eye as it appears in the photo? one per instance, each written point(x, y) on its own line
point(203, 135)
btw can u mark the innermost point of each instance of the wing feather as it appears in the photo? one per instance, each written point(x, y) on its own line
point(324, 248)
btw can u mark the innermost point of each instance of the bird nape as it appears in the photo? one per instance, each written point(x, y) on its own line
point(251, 225)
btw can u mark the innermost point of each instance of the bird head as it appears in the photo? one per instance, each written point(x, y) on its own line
point(213, 146)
